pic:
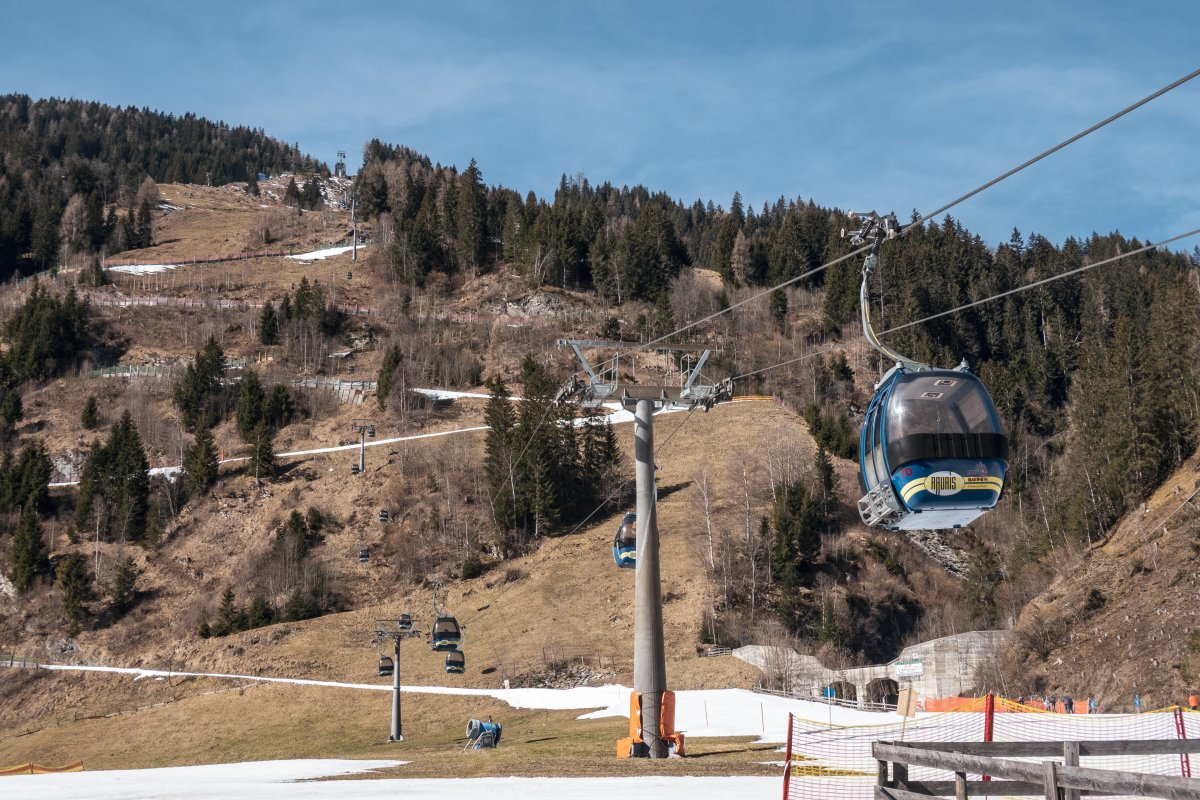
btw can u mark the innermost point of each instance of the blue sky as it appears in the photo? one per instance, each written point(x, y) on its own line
point(892, 106)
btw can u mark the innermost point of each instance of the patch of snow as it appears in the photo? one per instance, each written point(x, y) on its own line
point(143, 269)
point(699, 712)
point(295, 780)
point(328, 252)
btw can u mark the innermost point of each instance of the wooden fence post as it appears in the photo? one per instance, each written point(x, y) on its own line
point(1050, 780)
point(1070, 759)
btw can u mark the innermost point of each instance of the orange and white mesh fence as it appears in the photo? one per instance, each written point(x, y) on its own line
point(38, 769)
point(831, 762)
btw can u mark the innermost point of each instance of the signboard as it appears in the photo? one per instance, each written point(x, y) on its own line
point(909, 669)
point(906, 704)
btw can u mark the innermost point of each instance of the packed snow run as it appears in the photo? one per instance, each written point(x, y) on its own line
point(698, 712)
point(143, 269)
point(329, 252)
point(297, 780)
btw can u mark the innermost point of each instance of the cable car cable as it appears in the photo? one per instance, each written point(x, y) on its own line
point(965, 306)
point(903, 231)
point(922, 220)
point(1043, 281)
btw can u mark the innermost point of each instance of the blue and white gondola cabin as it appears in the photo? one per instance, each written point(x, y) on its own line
point(625, 543)
point(445, 634)
point(932, 452)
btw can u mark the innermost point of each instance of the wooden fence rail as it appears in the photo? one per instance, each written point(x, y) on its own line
point(1049, 779)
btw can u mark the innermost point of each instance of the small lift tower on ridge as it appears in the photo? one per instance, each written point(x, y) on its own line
point(656, 724)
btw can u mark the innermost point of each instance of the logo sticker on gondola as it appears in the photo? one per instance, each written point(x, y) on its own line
point(944, 484)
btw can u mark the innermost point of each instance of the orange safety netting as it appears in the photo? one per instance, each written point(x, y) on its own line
point(829, 761)
point(38, 769)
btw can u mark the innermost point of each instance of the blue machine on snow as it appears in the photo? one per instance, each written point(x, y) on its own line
point(625, 543)
point(932, 452)
point(483, 734)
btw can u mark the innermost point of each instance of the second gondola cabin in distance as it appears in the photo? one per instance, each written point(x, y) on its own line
point(625, 543)
point(932, 453)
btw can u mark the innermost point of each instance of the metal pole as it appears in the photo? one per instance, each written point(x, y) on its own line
point(353, 231)
point(396, 736)
point(649, 661)
point(362, 451)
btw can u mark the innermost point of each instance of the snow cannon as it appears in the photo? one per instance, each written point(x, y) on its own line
point(483, 734)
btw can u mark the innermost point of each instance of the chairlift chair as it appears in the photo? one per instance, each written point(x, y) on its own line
point(386, 667)
point(625, 543)
point(445, 634)
point(456, 662)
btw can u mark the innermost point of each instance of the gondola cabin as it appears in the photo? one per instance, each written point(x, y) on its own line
point(456, 662)
point(932, 453)
point(385, 666)
point(446, 634)
point(625, 543)
point(385, 515)
point(364, 555)
point(404, 623)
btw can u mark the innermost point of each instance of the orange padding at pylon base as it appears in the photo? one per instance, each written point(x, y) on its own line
point(38, 769)
point(666, 724)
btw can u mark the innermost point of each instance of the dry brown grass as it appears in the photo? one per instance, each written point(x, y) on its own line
point(276, 722)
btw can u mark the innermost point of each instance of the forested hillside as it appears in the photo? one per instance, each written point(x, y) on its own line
point(1094, 376)
point(67, 166)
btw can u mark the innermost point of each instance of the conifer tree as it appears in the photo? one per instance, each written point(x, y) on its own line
point(278, 408)
point(124, 588)
point(199, 393)
point(471, 219)
point(75, 582)
point(500, 455)
point(31, 477)
point(262, 455)
point(29, 557)
point(250, 403)
point(229, 616)
point(387, 370)
point(200, 462)
point(90, 417)
point(291, 195)
point(260, 613)
point(144, 226)
point(268, 325)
